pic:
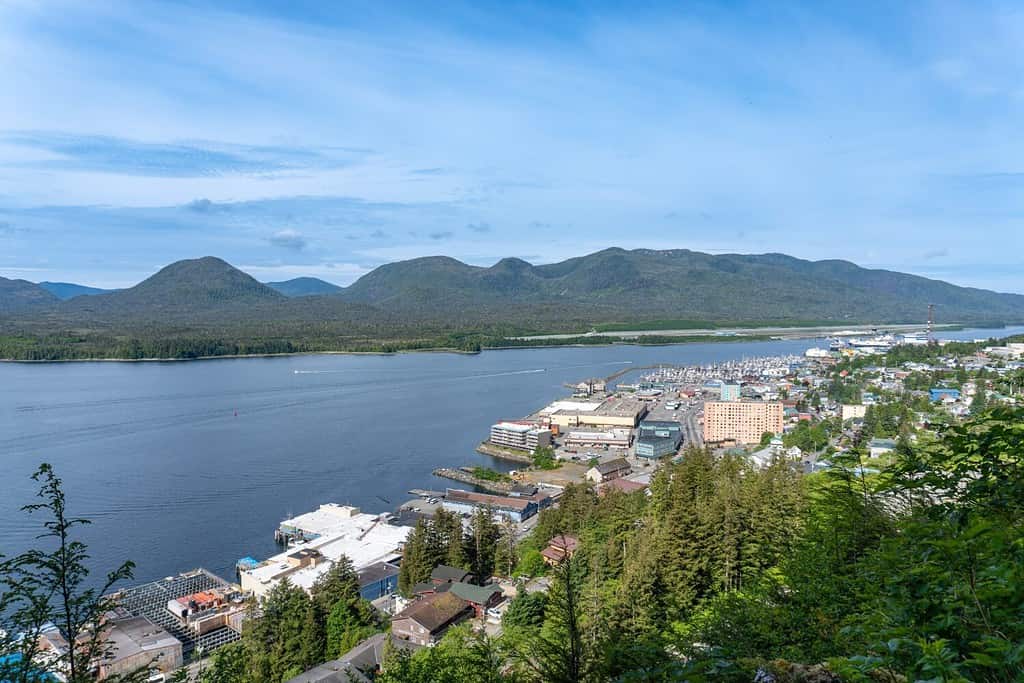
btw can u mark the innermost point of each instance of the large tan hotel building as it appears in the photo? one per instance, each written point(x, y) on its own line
point(741, 421)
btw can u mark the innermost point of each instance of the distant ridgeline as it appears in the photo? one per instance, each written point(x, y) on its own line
point(205, 307)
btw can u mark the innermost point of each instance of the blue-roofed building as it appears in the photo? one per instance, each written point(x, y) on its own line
point(938, 394)
point(658, 438)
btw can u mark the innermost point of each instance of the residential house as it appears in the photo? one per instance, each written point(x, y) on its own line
point(482, 598)
point(560, 548)
point(427, 619)
point(879, 447)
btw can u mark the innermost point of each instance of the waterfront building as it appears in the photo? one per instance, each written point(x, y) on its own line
point(519, 435)
point(615, 411)
point(363, 538)
point(516, 508)
point(741, 421)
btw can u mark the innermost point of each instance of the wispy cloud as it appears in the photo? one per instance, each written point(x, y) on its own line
point(184, 159)
point(441, 235)
point(480, 227)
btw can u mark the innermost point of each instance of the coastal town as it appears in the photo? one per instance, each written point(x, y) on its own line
point(866, 395)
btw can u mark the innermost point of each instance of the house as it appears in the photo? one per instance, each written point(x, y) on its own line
point(427, 619)
point(443, 573)
point(560, 548)
point(608, 470)
point(358, 665)
point(879, 447)
point(939, 394)
point(624, 485)
point(482, 598)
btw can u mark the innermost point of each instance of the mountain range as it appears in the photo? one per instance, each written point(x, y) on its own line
point(441, 293)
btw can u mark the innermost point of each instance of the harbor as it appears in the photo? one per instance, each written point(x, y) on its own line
point(135, 441)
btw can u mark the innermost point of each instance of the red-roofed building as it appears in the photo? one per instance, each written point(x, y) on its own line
point(560, 548)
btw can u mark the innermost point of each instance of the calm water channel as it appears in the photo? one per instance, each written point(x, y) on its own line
point(182, 465)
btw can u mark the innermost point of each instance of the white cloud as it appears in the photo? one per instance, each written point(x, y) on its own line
point(288, 239)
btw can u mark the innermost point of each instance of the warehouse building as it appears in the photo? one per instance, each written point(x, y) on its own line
point(615, 411)
point(337, 530)
point(741, 422)
point(519, 435)
point(516, 508)
point(618, 437)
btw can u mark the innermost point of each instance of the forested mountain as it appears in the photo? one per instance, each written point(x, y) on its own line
point(19, 296)
point(69, 290)
point(680, 284)
point(206, 306)
point(192, 287)
point(304, 286)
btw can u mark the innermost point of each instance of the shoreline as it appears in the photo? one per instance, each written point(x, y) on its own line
point(671, 338)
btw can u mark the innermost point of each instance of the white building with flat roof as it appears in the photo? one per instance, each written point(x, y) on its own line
point(332, 531)
point(523, 436)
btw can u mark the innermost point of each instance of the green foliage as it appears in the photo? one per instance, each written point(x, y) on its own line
point(461, 657)
point(809, 436)
point(544, 458)
point(526, 611)
point(487, 474)
point(44, 588)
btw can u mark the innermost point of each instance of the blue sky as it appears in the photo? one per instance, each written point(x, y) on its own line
point(323, 139)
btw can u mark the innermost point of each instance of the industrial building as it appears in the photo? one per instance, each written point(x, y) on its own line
point(516, 508)
point(617, 437)
point(199, 609)
point(741, 422)
point(519, 435)
point(332, 531)
point(134, 643)
point(657, 438)
point(615, 411)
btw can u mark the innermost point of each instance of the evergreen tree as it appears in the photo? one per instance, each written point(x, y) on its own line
point(480, 543)
point(505, 555)
point(274, 640)
point(349, 622)
point(40, 589)
point(228, 664)
point(418, 558)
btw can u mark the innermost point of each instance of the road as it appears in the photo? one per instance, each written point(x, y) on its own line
point(693, 435)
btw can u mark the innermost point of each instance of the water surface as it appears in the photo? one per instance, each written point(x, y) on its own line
point(192, 464)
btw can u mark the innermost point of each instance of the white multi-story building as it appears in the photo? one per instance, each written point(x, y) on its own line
point(524, 437)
